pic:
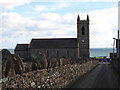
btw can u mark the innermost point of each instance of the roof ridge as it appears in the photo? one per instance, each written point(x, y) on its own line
point(51, 38)
point(53, 43)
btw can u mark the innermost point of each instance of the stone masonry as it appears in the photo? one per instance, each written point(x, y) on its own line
point(57, 77)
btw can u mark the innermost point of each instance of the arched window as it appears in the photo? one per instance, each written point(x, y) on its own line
point(83, 30)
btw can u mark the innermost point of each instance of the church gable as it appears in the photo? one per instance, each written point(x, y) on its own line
point(53, 43)
point(21, 47)
point(21, 50)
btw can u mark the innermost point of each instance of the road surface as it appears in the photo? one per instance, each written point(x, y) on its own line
point(102, 76)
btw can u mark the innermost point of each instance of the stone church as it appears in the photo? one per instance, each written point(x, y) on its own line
point(59, 47)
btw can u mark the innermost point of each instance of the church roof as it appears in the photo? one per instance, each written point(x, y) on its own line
point(53, 43)
point(21, 47)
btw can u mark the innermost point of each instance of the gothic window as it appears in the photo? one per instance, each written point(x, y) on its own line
point(83, 30)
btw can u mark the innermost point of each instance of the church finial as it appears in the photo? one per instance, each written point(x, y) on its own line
point(78, 18)
point(87, 17)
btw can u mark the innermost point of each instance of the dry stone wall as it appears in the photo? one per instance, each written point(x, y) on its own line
point(115, 62)
point(57, 77)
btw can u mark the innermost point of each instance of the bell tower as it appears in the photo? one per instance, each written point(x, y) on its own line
point(83, 37)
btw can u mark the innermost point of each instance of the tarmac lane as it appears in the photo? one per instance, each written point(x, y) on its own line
point(102, 76)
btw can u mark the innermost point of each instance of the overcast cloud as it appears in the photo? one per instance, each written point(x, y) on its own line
point(16, 28)
point(11, 4)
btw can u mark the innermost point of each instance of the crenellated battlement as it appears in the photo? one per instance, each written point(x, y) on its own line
point(83, 21)
point(78, 19)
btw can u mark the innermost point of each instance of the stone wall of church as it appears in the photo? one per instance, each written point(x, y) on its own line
point(84, 52)
point(56, 52)
point(22, 54)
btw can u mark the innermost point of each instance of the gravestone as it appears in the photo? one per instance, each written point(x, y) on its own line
point(42, 59)
point(7, 63)
point(19, 67)
point(11, 64)
point(53, 62)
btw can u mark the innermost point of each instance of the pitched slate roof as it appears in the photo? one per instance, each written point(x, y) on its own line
point(21, 47)
point(53, 43)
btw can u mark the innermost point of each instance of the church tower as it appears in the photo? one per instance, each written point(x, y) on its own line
point(83, 37)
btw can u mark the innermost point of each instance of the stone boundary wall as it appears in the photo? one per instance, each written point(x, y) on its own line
point(116, 64)
point(57, 77)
